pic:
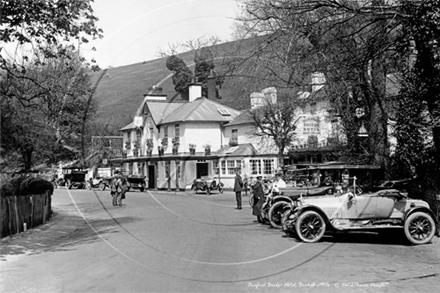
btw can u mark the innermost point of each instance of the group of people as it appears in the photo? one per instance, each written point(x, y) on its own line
point(118, 188)
point(257, 191)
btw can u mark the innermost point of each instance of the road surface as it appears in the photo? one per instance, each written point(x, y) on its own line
point(185, 242)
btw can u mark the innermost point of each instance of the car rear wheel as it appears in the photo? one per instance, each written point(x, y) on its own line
point(69, 184)
point(310, 226)
point(101, 186)
point(89, 185)
point(419, 228)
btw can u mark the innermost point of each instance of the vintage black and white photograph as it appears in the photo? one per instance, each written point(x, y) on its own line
point(220, 146)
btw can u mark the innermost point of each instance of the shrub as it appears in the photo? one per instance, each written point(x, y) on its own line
point(11, 187)
point(24, 186)
point(33, 185)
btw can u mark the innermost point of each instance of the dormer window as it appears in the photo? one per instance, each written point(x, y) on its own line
point(224, 112)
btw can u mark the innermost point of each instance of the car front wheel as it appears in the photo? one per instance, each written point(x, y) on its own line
point(276, 214)
point(310, 226)
point(419, 228)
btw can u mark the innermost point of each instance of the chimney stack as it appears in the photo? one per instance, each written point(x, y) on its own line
point(195, 91)
point(211, 86)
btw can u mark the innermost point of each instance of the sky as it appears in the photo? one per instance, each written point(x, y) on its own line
point(137, 30)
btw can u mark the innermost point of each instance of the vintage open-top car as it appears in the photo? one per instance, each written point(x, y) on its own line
point(206, 184)
point(311, 217)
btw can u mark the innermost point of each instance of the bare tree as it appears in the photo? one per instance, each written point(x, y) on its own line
point(275, 122)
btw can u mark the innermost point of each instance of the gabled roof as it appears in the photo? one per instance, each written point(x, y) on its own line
point(159, 111)
point(201, 109)
point(128, 127)
point(245, 117)
point(246, 149)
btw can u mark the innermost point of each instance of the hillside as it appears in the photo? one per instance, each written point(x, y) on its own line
point(121, 90)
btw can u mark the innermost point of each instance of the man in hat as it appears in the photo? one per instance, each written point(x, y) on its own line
point(279, 182)
point(238, 187)
point(258, 194)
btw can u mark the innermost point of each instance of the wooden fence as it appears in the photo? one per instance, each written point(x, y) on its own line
point(25, 210)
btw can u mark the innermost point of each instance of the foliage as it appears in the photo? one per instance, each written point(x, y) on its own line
point(192, 146)
point(44, 107)
point(136, 144)
point(150, 143)
point(182, 75)
point(164, 142)
point(421, 35)
point(25, 185)
point(33, 85)
point(176, 141)
point(352, 42)
point(204, 71)
point(41, 24)
point(207, 146)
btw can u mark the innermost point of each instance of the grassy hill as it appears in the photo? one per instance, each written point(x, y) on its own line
point(121, 90)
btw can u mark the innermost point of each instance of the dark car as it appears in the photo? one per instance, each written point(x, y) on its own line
point(73, 177)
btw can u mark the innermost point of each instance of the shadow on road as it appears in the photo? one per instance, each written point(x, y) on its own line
point(63, 232)
point(385, 237)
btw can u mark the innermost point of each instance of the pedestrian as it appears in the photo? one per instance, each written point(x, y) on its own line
point(124, 184)
point(258, 194)
point(116, 189)
point(238, 187)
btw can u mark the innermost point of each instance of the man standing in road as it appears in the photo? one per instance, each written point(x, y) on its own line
point(258, 194)
point(238, 186)
point(116, 189)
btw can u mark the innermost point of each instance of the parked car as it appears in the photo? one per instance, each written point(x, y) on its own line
point(73, 177)
point(99, 182)
point(276, 203)
point(136, 182)
point(311, 217)
point(206, 184)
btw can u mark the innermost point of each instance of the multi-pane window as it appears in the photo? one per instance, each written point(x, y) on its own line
point(223, 167)
point(234, 133)
point(216, 168)
point(151, 133)
point(255, 166)
point(165, 131)
point(268, 166)
point(177, 130)
point(234, 137)
point(231, 167)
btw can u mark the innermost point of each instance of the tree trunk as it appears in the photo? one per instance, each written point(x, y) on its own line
point(27, 159)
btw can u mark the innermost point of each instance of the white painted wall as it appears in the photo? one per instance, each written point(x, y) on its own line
point(200, 133)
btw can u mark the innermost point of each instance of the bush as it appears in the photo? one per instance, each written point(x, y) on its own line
point(33, 185)
point(24, 186)
point(11, 187)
